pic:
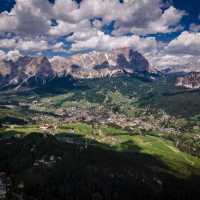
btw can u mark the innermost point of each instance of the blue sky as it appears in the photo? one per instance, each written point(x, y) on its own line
point(163, 30)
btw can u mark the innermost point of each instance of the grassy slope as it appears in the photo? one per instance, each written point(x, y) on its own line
point(180, 163)
point(165, 150)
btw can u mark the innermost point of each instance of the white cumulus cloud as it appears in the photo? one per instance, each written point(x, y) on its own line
point(185, 43)
point(105, 42)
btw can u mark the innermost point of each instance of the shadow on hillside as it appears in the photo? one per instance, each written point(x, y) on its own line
point(54, 169)
point(59, 86)
point(12, 120)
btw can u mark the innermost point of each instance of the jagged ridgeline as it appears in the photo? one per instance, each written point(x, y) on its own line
point(29, 71)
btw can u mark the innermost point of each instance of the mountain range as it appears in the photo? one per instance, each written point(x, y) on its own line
point(88, 65)
point(39, 70)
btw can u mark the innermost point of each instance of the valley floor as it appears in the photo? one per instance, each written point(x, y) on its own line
point(119, 138)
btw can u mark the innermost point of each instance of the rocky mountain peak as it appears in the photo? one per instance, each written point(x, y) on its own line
point(35, 66)
point(191, 81)
point(26, 68)
point(138, 61)
point(5, 68)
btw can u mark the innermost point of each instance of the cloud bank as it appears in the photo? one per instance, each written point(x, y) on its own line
point(68, 27)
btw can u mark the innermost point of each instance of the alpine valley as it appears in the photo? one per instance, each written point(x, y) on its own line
point(99, 125)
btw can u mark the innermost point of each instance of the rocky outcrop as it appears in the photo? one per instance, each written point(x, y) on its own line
point(6, 68)
point(34, 70)
point(138, 62)
point(39, 67)
point(191, 81)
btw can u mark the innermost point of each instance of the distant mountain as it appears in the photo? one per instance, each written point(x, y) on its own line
point(35, 70)
point(191, 80)
point(39, 70)
point(101, 64)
